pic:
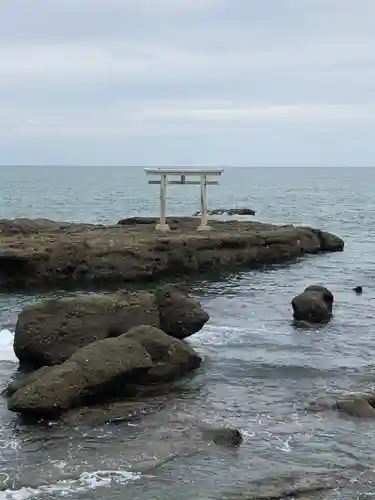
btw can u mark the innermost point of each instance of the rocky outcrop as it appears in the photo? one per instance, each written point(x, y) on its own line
point(81, 255)
point(313, 305)
point(52, 330)
point(106, 368)
point(228, 211)
point(180, 316)
point(353, 405)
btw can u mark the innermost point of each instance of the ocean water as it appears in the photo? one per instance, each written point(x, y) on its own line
point(259, 371)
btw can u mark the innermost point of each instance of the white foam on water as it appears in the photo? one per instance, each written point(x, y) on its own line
point(86, 481)
point(217, 335)
point(6, 346)
point(285, 447)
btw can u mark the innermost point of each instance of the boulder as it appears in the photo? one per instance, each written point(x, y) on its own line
point(104, 369)
point(328, 242)
point(313, 305)
point(50, 331)
point(172, 357)
point(228, 211)
point(95, 369)
point(180, 315)
point(224, 436)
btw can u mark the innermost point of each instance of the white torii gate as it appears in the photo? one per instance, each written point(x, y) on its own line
point(163, 173)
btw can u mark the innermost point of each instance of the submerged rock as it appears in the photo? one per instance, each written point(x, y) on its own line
point(354, 405)
point(302, 486)
point(313, 305)
point(224, 436)
point(357, 406)
point(50, 331)
point(104, 369)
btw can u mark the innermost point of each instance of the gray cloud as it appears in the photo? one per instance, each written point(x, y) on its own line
point(215, 81)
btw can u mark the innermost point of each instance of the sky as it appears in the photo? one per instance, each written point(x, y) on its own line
point(187, 82)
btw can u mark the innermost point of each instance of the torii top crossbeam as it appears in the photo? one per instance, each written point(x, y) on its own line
point(203, 181)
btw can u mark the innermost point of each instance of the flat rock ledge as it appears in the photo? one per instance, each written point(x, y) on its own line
point(48, 254)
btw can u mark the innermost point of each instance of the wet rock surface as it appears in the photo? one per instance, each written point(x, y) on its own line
point(50, 331)
point(47, 254)
point(105, 368)
point(313, 305)
point(304, 487)
point(180, 315)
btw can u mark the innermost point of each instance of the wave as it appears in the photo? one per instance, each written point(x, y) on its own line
point(86, 481)
point(6, 346)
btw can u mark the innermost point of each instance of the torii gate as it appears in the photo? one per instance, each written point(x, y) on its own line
point(182, 174)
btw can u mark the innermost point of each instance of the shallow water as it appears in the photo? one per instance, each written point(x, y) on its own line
point(259, 371)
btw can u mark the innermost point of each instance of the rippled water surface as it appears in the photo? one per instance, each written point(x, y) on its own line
point(259, 371)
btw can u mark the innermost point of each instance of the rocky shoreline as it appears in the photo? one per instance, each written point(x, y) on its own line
point(45, 254)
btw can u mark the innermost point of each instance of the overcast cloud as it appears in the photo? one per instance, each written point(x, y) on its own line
point(174, 82)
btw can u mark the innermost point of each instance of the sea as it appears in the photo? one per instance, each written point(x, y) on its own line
point(259, 371)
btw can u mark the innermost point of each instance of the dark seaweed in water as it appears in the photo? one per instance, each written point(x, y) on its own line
point(259, 370)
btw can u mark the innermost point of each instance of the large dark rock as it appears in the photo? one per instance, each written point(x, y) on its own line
point(172, 357)
point(180, 315)
point(104, 369)
point(313, 305)
point(95, 369)
point(228, 211)
point(67, 256)
point(50, 331)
